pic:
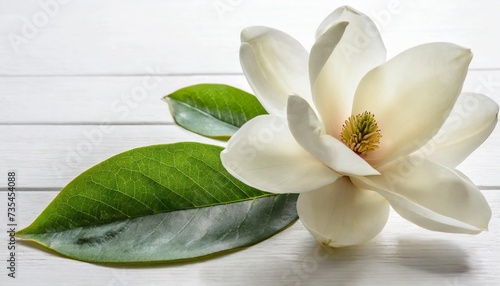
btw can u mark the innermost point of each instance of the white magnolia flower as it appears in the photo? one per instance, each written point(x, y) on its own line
point(354, 134)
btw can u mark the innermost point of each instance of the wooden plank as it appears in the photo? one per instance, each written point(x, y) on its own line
point(48, 157)
point(51, 156)
point(402, 252)
point(93, 100)
point(198, 36)
point(130, 99)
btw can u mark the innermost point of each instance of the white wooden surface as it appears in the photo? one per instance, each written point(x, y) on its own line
point(86, 82)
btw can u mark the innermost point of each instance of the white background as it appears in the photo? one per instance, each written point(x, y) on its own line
point(72, 82)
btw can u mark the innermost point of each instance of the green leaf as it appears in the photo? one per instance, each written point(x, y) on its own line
point(159, 203)
point(213, 110)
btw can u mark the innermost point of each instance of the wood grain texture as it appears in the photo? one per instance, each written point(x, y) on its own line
point(402, 253)
point(130, 99)
point(140, 37)
point(93, 100)
point(49, 156)
point(81, 81)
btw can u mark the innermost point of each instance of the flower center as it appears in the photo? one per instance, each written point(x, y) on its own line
point(360, 133)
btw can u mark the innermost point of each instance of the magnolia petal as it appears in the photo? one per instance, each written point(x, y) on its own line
point(411, 96)
point(333, 18)
point(431, 196)
point(264, 155)
point(275, 65)
point(341, 56)
point(471, 121)
point(341, 214)
point(307, 131)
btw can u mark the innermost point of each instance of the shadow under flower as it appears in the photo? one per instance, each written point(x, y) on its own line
point(378, 261)
point(434, 256)
point(317, 265)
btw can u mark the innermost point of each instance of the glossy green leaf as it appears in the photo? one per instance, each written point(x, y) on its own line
point(213, 110)
point(158, 203)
